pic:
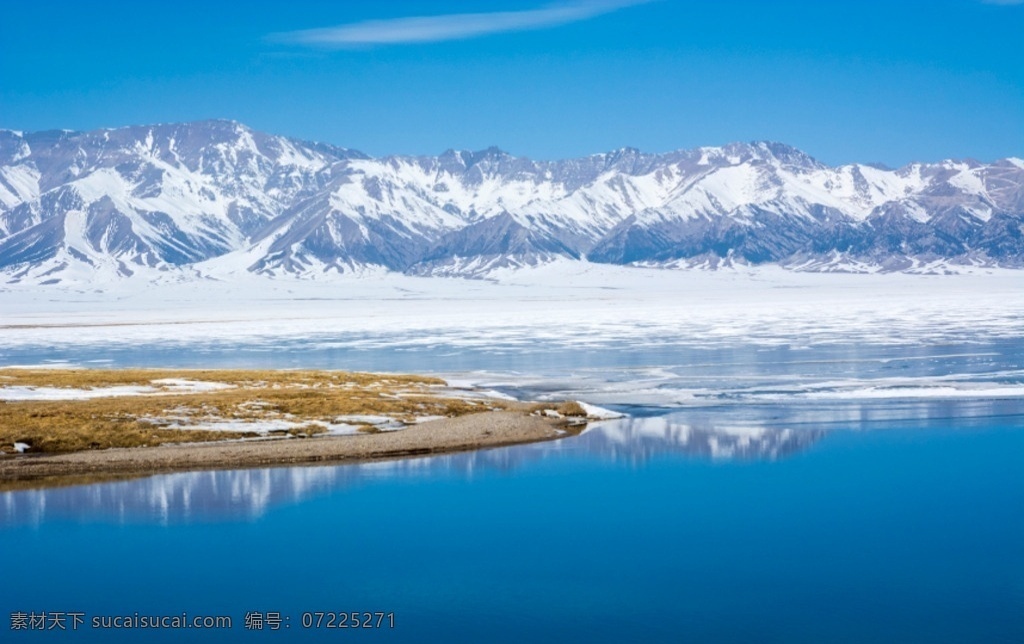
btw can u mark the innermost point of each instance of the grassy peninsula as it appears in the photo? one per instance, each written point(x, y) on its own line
point(68, 423)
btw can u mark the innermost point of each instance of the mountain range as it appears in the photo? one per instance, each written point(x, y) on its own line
point(212, 198)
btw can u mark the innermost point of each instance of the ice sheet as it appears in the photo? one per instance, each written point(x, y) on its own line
point(580, 305)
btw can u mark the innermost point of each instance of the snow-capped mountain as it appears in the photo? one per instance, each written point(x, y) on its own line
point(155, 197)
point(215, 197)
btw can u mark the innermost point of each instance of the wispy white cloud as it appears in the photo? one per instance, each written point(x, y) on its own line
point(1003, 1)
point(460, 26)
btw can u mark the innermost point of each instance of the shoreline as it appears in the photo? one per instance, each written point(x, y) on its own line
point(469, 432)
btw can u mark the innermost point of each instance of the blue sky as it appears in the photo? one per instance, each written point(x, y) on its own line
point(864, 80)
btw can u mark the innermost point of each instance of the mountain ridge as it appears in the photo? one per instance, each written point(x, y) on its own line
point(170, 197)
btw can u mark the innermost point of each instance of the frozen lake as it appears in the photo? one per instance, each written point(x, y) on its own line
point(804, 459)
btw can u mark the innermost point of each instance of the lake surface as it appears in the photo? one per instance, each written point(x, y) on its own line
point(782, 492)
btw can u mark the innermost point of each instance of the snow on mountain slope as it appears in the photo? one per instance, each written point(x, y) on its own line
point(765, 209)
point(212, 196)
point(146, 197)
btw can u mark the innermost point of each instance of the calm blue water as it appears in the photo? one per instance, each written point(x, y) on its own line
point(841, 494)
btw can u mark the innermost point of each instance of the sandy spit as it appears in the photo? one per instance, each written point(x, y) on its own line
point(464, 433)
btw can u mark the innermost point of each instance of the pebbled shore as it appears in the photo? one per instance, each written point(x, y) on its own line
point(463, 433)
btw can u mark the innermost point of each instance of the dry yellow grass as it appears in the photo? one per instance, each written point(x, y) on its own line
point(301, 398)
point(89, 378)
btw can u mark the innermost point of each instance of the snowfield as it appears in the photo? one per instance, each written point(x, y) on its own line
point(572, 304)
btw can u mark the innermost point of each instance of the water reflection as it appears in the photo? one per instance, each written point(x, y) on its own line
point(640, 439)
point(221, 494)
point(248, 494)
point(727, 433)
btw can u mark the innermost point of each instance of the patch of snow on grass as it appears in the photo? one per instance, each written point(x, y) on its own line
point(262, 427)
point(599, 413)
point(168, 386)
point(381, 423)
point(182, 386)
point(426, 419)
point(18, 392)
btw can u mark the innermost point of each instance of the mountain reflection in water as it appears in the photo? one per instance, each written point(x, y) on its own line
point(248, 494)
